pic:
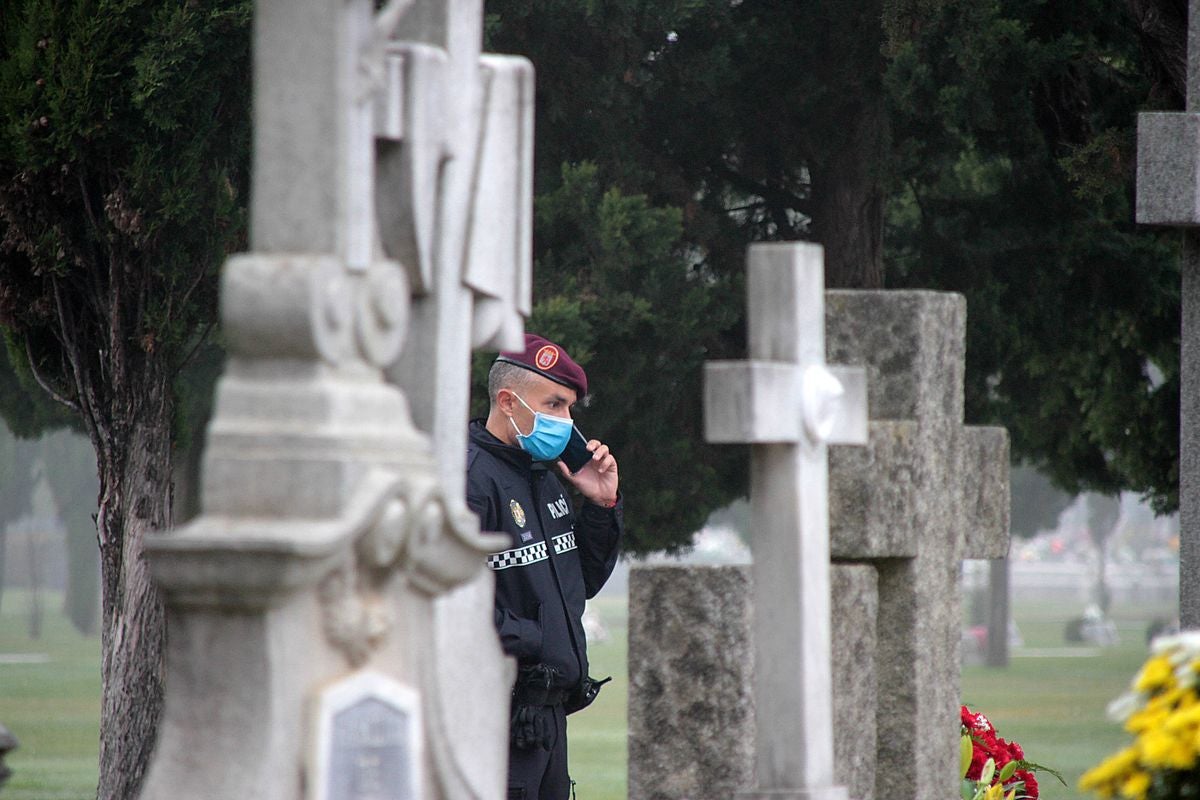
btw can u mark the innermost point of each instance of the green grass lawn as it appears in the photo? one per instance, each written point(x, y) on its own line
point(1054, 706)
point(52, 707)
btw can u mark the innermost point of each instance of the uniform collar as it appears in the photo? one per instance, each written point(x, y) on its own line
point(514, 456)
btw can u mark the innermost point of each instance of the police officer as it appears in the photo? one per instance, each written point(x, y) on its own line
point(557, 558)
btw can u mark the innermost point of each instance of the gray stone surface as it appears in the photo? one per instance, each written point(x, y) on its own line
point(855, 690)
point(1168, 168)
point(1189, 436)
point(455, 198)
point(927, 493)
point(1168, 193)
point(691, 703)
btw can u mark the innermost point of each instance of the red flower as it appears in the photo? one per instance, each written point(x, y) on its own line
point(1031, 784)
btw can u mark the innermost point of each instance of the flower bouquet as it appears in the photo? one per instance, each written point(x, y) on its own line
point(992, 768)
point(1162, 711)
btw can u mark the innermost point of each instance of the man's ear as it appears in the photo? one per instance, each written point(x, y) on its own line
point(505, 401)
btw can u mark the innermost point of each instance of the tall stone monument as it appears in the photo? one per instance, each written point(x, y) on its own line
point(1168, 193)
point(307, 655)
point(788, 405)
point(455, 198)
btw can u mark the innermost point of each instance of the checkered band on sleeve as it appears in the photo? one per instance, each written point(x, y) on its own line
point(564, 542)
point(520, 557)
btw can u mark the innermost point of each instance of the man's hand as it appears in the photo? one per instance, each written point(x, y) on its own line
point(597, 480)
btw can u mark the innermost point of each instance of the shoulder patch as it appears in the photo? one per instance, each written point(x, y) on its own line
point(518, 513)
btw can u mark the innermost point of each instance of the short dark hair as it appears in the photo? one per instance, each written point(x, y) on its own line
point(504, 375)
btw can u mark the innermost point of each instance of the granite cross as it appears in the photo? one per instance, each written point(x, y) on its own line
point(1168, 193)
point(926, 492)
point(788, 405)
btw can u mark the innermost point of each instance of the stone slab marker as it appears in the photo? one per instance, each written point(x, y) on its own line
point(923, 495)
point(304, 649)
point(1168, 193)
point(788, 405)
point(691, 709)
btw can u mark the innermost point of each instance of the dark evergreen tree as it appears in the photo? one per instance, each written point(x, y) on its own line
point(124, 148)
point(1003, 151)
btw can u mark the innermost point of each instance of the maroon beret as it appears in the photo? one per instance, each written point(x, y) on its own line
point(549, 360)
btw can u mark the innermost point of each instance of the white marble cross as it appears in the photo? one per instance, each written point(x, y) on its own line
point(788, 405)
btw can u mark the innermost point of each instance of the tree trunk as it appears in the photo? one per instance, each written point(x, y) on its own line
point(848, 156)
point(3, 549)
point(848, 202)
point(33, 541)
point(135, 468)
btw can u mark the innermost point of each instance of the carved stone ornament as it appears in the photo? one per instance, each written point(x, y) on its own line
point(311, 307)
point(412, 536)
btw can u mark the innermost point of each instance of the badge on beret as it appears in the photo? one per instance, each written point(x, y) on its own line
point(517, 512)
point(547, 357)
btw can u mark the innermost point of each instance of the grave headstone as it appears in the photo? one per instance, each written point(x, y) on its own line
point(788, 405)
point(691, 724)
point(1168, 193)
point(304, 641)
point(999, 615)
point(925, 493)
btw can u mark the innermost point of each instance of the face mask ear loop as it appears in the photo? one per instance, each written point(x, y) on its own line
point(514, 422)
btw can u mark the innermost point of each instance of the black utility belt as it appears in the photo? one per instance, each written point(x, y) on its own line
point(535, 687)
point(538, 696)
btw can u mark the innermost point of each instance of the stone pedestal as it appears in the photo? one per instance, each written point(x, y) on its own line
point(691, 699)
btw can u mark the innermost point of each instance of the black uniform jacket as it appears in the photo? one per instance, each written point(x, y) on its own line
point(556, 559)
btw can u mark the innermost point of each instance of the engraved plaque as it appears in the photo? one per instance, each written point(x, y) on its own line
point(368, 744)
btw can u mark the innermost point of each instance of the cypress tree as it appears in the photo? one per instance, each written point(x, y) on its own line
point(124, 150)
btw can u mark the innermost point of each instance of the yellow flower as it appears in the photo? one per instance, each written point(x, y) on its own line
point(1156, 672)
point(1136, 785)
point(1148, 719)
point(1112, 769)
point(1157, 746)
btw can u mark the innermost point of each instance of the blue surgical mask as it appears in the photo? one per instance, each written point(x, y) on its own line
point(549, 436)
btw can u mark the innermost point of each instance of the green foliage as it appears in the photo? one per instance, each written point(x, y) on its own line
point(1035, 503)
point(124, 151)
point(1014, 125)
point(1007, 157)
point(612, 287)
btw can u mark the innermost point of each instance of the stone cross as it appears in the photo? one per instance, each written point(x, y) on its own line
point(1168, 193)
point(788, 405)
point(304, 648)
point(925, 493)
